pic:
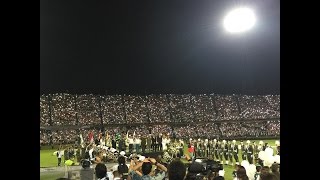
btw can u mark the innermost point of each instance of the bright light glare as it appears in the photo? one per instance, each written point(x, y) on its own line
point(239, 20)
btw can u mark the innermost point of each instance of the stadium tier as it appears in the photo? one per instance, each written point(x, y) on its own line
point(63, 116)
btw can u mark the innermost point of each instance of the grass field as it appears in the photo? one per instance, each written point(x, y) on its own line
point(47, 159)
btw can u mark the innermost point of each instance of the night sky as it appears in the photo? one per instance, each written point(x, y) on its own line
point(157, 46)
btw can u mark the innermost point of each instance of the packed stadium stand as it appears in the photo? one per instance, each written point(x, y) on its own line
point(63, 115)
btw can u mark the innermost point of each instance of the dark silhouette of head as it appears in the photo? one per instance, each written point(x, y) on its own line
point(264, 170)
point(275, 167)
point(122, 167)
point(101, 170)
point(121, 160)
point(176, 170)
point(242, 173)
point(146, 168)
point(269, 176)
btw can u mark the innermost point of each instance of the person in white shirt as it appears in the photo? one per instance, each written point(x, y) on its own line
point(102, 142)
point(90, 153)
point(59, 155)
point(164, 143)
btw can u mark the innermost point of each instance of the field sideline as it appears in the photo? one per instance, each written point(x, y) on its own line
point(47, 159)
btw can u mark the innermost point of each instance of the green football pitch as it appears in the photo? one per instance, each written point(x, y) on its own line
point(48, 160)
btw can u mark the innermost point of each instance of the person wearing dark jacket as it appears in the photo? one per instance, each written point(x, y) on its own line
point(250, 153)
point(159, 142)
point(243, 151)
point(216, 150)
point(143, 143)
point(235, 151)
point(220, 150)
point(101, 171)
point(230, 153)
point(176, 170)
point(153, 143)
point(114, 143)
point(275, 170)
point(122, 144)
point(149, 143)
point(86, 173)
point(225, 152)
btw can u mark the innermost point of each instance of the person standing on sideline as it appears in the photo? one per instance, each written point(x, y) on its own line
point(191, 148)
point(159, 140)
point(249, 152)
point(225, 151)
point(59, 155)
point(153, 143)
point(243, 151)
point(230, 152)
point(143, 143)
point(216, 149)
point(149, 143)
point(90, 137)
point(235, 151)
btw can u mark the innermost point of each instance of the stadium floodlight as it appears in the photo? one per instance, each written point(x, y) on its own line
point(239, 20)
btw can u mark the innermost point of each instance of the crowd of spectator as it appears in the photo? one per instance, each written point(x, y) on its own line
point(115, 130)
point(180, 108)
point(144, 130)
point(44, 111)
point(44, 137)
point(136, 109)
point(139, 130)
point(196, 115)
point(65, 136)
point(256, 107)
point(85, 132)
point(274, 102)
point(158, 108)
point(63, 109)
point(67, 109)
point(208, 130)
point(227, 107)
point(161, 129)
point(113, 110)
point(247, 129)
point(203, 108)
point(88, 110)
